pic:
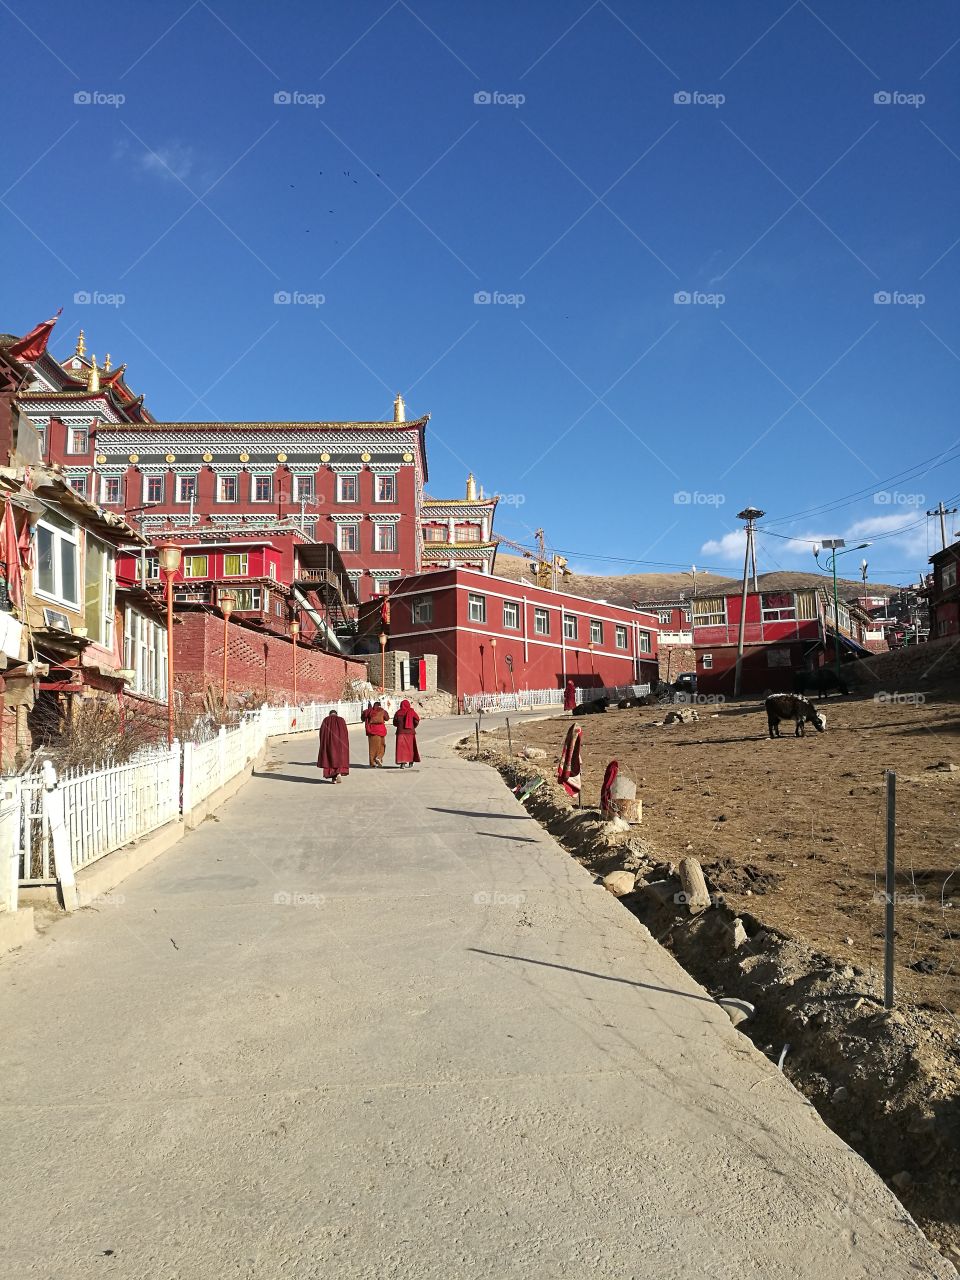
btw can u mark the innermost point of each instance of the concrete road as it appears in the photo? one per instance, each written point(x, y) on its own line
point(389, 1029)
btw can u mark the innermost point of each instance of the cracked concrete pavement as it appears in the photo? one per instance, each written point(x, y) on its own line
point(390, 1029)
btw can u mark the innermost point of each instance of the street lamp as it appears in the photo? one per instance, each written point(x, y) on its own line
point(593, 670)
point(294, 634)
point(834, 546)
point(227, 601)
point(383, 660)
point(493, 650)
point(168, 555)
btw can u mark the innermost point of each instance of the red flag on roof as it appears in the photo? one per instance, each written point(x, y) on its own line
point(10, 549)
point(385, 610)
point(34, 344)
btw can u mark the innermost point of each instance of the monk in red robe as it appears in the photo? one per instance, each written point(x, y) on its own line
point(406, 721)
point(375, 722)
point(569, 696)
point(334, 755)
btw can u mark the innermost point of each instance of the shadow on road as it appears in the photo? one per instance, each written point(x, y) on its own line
point(473, 813)
point(605, 977)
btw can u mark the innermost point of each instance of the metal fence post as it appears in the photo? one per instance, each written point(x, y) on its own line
point(891, 889)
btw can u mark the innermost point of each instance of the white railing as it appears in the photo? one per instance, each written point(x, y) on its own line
point(107, 808)
point(527, 698)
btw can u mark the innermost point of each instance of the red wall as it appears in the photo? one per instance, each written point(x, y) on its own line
point(260, 666)
point(464, 649)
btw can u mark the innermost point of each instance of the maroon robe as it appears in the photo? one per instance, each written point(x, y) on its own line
point(569, 696)
point(334, 755)
point(406, 721)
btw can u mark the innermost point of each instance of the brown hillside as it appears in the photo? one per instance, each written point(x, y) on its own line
point(648, 587)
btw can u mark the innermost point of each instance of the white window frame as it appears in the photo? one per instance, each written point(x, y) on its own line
point(514, 607)
point(69, 537)
point(541, 616)
point(348, 475)
point(254, 481)
point(620, 637)
point(644, 642)
point(476, 607)
point(379, 530)
point(596, 631)
point(707, 661)
point(86, 441)
point(236, 488)
point(421, 610)
point(108, 584)
point(379, 478)
point(79, 485)
point(105, 499)
point(243, 557)
point(435, 533)
point(341, 537)
point(948, 575)
point(188, 561)
point(147, 482)
point(256, 599)
point(298, 486)
point(571, 627)
point(703, 617)
point(466, 534)
point(778, 613)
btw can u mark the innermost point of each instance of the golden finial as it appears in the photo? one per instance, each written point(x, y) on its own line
point(93, 380)
point(81, 345)
point(399, 409)
point(471, 488)
point(106, 363)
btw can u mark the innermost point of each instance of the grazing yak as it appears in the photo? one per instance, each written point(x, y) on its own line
point(822, 681)
point(787, 706)
point(591, 708)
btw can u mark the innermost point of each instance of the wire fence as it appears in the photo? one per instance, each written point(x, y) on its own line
point(532, 698)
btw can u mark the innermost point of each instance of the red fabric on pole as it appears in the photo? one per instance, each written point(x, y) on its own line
point(571, 764)
point(609, 778)
point(33, 344)
point(12, 555)
point(334, 754)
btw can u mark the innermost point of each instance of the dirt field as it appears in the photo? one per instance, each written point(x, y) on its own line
point(793, 830)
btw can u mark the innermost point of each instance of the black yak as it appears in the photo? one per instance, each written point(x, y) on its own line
point(822, 681)
point(787, 706)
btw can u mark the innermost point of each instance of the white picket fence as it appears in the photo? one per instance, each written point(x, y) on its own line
point(531, 698)
point(107, 808)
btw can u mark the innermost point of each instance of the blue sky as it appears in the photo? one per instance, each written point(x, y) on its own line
point(682, 214)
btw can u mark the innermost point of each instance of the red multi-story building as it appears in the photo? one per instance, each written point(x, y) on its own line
point(495, 635)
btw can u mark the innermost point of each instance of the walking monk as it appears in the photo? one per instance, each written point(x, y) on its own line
point(375, 720)
point(406, 721)
point(334, 754)
point(569, 696)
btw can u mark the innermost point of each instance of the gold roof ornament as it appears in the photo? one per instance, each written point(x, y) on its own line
point(399, 409)
point(81, 345)
point(93, 379)
point(471, 488)
point(106, 363)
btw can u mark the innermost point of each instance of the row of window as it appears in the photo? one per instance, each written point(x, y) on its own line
point(384, 537)
point(145, 654)
point(248, 599)
point(302, 489)
point(462, 533)
point(421, 613)
point(58, 575)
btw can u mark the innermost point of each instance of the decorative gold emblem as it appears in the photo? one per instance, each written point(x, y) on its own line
point(244, 457)
point(324, 457)
point(364, 457)
point(101, 457)
point(134, 457)
point(208, 457)
point(408, 457)
point(281, 457)
point(171, 457)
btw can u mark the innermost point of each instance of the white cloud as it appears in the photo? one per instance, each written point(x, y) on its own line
point(903, 532)
point(172, 162)
point(729, 547)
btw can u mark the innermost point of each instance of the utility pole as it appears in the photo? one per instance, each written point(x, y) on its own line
point(751, 515)
point(942, 511)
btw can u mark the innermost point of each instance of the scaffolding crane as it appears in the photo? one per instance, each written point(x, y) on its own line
point(549, 571)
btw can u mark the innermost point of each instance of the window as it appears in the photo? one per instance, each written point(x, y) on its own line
point(386, 488)
point(98, 592)
point(468, 533)
point(596, 631)
point(347, 488)
point(195, 566)
point(643, 641)
point(57, 569)
point(186, 488)
point(435, 533)
point(111, 490)
point(348, 537)
point(707, 661)
point(511, 615)
point(273, 570)
point(78, 440)
point(476, 608)
point(665, 616)
point(153, 489)
point(149, 569)
point(249, 598)
point(235, 565)
point(421, 610)
point(79, 485)
point(303, 488)
point(226, 488)
point(42, 438)
point(262, 489)
point(621, 637)
point(541, 622)
point(710, 611)
point(778, 606)
point(569, 626)
point(948, 575)
point(144, 653)
point(384, 537)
